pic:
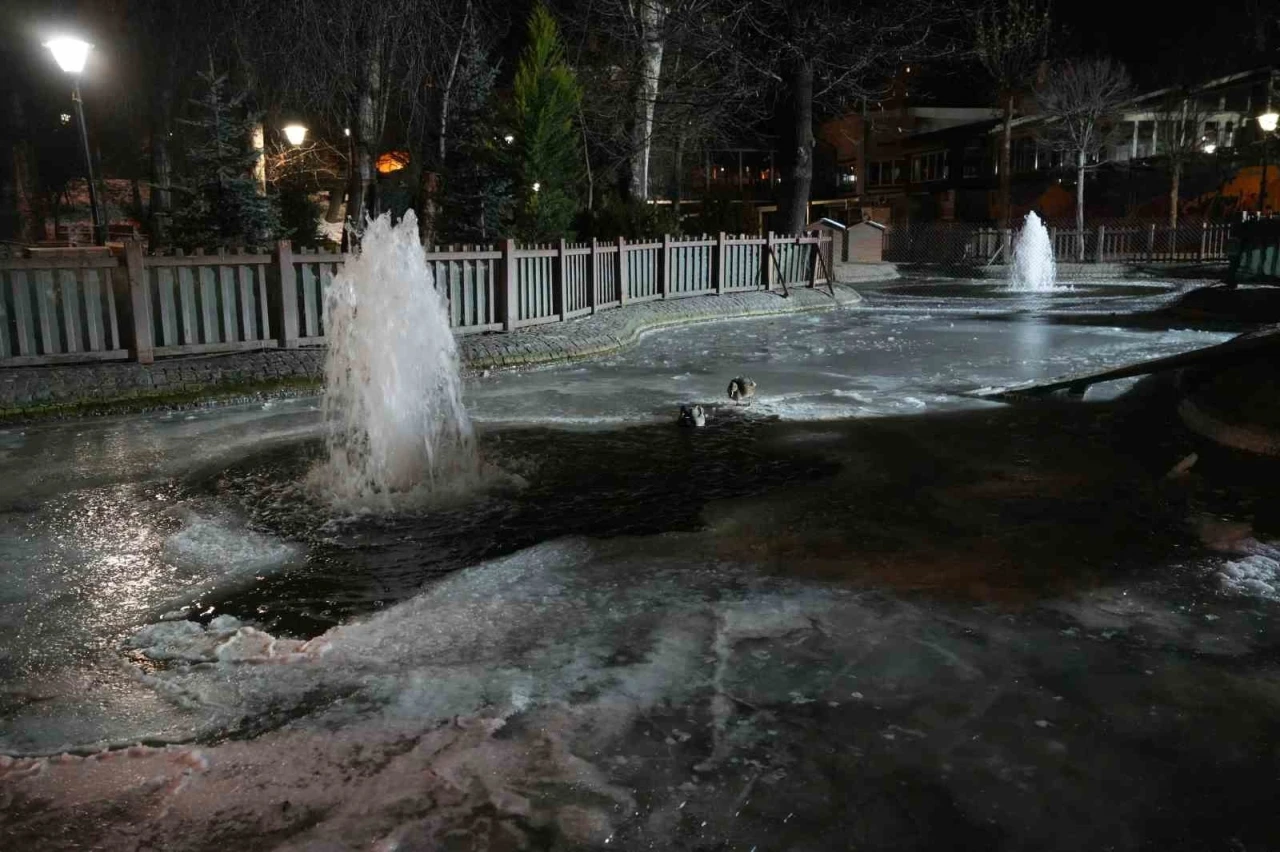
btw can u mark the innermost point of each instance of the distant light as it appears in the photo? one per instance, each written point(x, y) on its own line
point(66, 118)
point(346, 131)
point(1209, 147)
point(509, 139)
point(391, 161)
point(295, 133)
point(536, 186)
point(1267, 121)
point(908, 69)
point(70, 53)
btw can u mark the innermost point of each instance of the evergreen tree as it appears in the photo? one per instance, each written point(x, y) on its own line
point(218, 201)
point(475, 198)
point(545, 147)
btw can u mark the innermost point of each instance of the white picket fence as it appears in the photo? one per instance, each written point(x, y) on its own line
point(82, 305)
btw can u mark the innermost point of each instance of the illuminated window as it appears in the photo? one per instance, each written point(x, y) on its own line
point(929, 167)
point(392, 161)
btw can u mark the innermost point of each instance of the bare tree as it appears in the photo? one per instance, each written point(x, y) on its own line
point(828, 53)
point(654, 72)
point(1011, 39)
point(1080, 101)
point(350, 63)
point(1179, 128)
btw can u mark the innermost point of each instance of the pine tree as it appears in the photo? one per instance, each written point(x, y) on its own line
point(475, 198)
point(218, 201)
point(545, 146)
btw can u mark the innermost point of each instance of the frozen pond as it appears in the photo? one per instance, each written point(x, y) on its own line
point(865, 610)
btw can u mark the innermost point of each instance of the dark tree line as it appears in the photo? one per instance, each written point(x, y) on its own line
point(515, 118)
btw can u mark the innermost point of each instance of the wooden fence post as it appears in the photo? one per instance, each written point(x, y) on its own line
point(1102, 236)
point(592, 275)
point(286, 319)
point(813, 260)
point(140, 303)
point(664, 279)
point(561, 277)
point(1204, 239)
point(766, 262)
point(622, 271)
point(1151, 242)
point(721, 250)
point(508, 307)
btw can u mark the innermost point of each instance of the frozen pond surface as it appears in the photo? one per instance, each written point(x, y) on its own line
point(894, 617)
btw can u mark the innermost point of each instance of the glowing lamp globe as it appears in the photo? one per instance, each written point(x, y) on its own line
point(295, 133)
point(1209, 147)
point(1267, 121)
point(70, 53)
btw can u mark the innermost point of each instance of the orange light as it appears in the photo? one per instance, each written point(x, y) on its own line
point(391, 161)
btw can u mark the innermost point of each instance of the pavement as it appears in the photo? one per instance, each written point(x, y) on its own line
point(80, 389)
point(1236, 406)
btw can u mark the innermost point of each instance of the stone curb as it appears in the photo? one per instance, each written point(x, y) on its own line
point(559, 346)
point(35, 393)
point(1251, 438)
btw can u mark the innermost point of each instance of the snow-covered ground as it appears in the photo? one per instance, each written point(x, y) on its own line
point(858, 625)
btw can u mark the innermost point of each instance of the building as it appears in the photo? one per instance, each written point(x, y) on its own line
point(925, 163)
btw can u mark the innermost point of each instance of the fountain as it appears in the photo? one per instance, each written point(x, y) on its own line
point(1033, 268)
point(394, 420)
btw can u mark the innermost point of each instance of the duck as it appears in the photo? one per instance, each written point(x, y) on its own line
point(741, 389)
point(692, 415)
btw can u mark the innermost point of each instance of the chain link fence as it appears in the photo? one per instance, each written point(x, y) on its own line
point(963, 245)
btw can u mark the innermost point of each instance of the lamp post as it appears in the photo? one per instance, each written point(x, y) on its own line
point(295, 133)
point(1266, 121)
point(71, 54)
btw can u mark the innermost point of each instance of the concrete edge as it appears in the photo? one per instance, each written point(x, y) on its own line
point(640, 327)
point(221, 395)
point(1250, 438)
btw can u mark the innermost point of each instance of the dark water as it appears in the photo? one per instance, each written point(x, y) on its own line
point(633, 481)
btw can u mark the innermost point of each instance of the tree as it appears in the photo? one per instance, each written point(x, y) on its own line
point(1080, 101)
point(1011, 38)
point(346, 62)
point(622, 46)
point(657, 76)
point(475, 191)
point(1179, 123)
point(827, 53)
point(220, 200)
point(545, 143)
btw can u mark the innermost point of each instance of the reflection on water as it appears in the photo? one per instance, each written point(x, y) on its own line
point(110, 524)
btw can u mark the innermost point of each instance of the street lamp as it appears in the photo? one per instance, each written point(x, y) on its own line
point(71, 55)
point(295, 133)
point(1267, 121)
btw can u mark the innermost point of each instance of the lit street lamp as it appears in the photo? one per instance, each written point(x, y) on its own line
point(71, 55)
point(1267, 121)
point(295, 133)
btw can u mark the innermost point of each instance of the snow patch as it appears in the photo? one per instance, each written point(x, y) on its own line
point(1257, 573)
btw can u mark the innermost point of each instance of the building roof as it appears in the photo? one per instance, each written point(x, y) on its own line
point(1155, 94)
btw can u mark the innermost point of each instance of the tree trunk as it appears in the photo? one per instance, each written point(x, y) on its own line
point(677, 189)
point(365, 137)
point(651, 15)
point(1006, 168)
point(28, 224)
point(259, 142)
point(1080, 164)
point(797, 201)
point(1173, 196)
point(161, 165)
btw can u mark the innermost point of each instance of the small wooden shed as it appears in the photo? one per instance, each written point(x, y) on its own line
point(862, 242)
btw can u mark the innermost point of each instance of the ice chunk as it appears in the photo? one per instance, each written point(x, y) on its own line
point(1258, 573)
